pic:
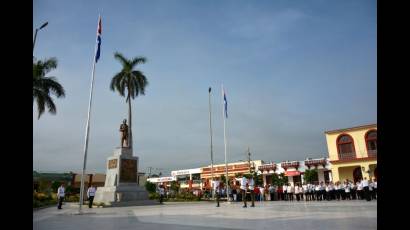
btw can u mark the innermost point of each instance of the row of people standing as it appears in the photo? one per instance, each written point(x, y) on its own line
point(348, 190)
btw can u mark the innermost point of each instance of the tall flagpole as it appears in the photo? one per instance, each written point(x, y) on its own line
point(87, 129)
point(212, 156)
point(226, 164)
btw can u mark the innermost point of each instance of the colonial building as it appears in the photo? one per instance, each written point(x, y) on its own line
point(353, 152)
point(188, 178)
point(234, 169)
point(295, 170)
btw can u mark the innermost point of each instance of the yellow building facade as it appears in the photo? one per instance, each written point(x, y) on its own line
point(353, 152)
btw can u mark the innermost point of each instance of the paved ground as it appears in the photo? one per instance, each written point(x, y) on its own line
point(204, 215)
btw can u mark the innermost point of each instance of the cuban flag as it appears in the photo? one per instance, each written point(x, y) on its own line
point(97, 53)
point(225, 103)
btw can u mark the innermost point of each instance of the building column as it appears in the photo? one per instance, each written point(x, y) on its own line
point(366, 172)
point(290, 180)
point(302, 178)
point(330, 176)
point(264, 179)
point(335, 173)
point(321, 175)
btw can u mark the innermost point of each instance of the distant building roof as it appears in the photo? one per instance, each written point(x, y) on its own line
point(352, 128)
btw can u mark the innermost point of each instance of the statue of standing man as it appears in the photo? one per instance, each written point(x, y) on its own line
point(124, 133)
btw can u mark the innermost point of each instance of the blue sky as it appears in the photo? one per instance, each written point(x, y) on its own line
point(291, 69)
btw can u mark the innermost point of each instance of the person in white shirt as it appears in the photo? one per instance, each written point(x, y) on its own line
point(305, 191)
point(317, 192)
point(371, 189)
point(331, 191)
point(297, 192)
point(322, 190)
point(244, 182)
point(327, 192)
point(285, 191)
point(262, 194)
point(271, 192)
point(251, 189)
point(375, 189)
point(365, 185)
point(353, 190)
point(309, 192)
point(290, 190)
point(359, 190)
point(347, 190)
point(161, 193)
point(217, 191)
point(60, 195)
point(336, 190)
point(90, 195)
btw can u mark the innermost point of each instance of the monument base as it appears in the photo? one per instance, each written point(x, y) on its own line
point(121, 187)
point(123, 195)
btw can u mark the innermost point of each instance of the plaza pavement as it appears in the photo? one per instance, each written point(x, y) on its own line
point(279, 215)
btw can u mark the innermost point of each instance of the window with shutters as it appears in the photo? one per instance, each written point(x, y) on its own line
point(345, 147)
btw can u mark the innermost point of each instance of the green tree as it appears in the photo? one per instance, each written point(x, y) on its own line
point(311, 175)
point(55, 185)
point(258, 179)
point(150, 187)
point(276, 180)
point(174, 186)
point(44, 86)
point(129, 83)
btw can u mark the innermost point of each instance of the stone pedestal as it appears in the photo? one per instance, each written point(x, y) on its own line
point(121, 181)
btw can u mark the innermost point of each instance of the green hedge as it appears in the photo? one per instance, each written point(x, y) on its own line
point(178, 197)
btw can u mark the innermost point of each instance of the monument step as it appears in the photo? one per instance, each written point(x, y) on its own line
point(134, 203)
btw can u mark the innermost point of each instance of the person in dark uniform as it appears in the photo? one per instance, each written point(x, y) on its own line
point(217, 191)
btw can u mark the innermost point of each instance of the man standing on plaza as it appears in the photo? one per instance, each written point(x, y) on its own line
point(60, 195)
point(251, 189)
point(244, 182)
point(161, 193)
point(217, 191)
point(365, 185)
point(90, 195)
point(271, 192)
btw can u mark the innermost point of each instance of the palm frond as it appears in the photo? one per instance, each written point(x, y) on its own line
point(121, 59)
point(138, 60)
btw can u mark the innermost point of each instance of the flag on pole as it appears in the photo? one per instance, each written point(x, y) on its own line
point(225, 103)
point(97, 54)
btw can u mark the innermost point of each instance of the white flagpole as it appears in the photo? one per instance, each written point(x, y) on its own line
point(87, 129)
point(226, 164)
point(212, 158)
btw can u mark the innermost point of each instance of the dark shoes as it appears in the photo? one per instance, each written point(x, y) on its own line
point(244, 206)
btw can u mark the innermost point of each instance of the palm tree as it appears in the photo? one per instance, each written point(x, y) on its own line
point(44, 86)
point(129, 83)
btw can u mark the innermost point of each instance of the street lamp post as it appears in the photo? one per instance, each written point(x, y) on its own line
point(35, 34)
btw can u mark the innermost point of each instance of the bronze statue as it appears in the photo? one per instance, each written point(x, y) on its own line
point(124, 133)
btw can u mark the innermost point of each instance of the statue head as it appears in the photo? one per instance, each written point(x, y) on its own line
point(124, 121)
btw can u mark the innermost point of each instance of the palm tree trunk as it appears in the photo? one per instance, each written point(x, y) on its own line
point(129, 124)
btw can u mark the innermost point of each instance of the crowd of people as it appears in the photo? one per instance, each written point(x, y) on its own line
point(247, 190)
point(347, 190)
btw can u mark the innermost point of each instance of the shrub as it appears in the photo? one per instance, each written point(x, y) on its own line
point(73, 198)
point(150, 187)
point(153, 196)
